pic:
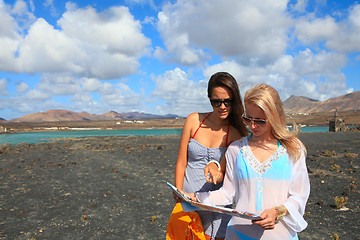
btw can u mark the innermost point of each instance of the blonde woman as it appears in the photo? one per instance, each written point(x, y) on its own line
point(265, 173)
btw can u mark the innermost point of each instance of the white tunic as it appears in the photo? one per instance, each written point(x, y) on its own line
point(255, 186)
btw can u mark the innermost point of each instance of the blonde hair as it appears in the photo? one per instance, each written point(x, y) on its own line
point(267, 98)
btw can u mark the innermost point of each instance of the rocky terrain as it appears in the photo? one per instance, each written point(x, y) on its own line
point(115, 187)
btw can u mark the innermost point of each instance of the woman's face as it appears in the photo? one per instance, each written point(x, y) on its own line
point(221, 101)
point(261, 125)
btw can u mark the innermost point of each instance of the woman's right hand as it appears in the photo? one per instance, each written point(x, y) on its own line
point(176, 198)
point(192, 196)
point(213, 174)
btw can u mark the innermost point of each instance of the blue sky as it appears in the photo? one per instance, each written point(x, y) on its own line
point(157, 56)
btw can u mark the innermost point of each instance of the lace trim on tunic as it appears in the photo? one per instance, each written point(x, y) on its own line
point(260, 168)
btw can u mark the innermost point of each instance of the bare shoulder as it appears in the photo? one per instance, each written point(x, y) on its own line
point(196, 117)
point(193, 116)
point(192, 120)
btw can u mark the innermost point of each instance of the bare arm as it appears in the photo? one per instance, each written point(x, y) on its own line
point(182, 153)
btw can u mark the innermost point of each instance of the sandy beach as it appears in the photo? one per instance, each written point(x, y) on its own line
point(115, 187)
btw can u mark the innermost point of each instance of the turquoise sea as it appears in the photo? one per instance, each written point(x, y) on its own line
point(37, 137)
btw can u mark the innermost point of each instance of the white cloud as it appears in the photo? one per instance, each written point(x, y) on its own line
point(22, 87)
point(343, 36)
point(300, 5)
point(249, 39)
point(120, 97)
point(24, 17)
point(81, 94)
point(50, 4)
point(9, 37)
point(187, 27)
point(308, 63)
point(46, 49)
point(348, 39)
point(85, 102)
point(236, 70)
point(7, 24)
point(181, 95)
point(315, 75)
point(310, 31)
point(91, 84)
point(115, 30)
point(59, 84)
point(35, 95)
point(104, 45)
point(3, 87)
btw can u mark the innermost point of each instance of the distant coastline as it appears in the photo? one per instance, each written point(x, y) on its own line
point(48, 136)
point(91, 125)
point(350, 118)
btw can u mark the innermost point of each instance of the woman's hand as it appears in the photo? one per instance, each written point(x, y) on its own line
point(213, 174)
point(269, 217)
point(176, 198)
point(192, 196)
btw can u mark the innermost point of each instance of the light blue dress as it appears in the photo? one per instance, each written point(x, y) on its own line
point(214, 224)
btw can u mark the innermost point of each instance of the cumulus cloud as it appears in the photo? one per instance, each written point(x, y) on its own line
point(299, 6)
point(84, 57)
point(59, 84)
point(320, 74)
point(180, 94)
point(3, 87)
point(35, 95)
point(91, 84)
point(342, 35)
point(188, 27)
point(348, 39)
point(22, 87)
point(120, 97)
point(105, 45)
point(24, 16)
point(311, 31)
point(50, 4)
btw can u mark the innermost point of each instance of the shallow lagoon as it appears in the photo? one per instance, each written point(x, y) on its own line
point(36, 137)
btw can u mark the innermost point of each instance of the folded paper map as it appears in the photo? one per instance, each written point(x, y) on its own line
point(213, 208)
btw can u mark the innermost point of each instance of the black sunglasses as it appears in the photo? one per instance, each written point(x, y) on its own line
point(257, 122)
point(217, 102)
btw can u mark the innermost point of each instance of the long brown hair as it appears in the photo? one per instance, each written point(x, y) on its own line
point(226, 80)
point(267, 98)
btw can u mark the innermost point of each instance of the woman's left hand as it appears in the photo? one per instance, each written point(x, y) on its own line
point(269, 217)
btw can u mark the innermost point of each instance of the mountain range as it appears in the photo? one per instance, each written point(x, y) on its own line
point(348, 102)
point(61, 115)
point(292, 105)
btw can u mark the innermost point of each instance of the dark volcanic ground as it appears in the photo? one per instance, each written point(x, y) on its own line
point(115, 187)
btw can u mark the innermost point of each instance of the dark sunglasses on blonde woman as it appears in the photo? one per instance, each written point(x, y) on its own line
point(257, 122)
point(217, 102)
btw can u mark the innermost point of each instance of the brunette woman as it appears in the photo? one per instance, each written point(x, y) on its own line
point(204, 139)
